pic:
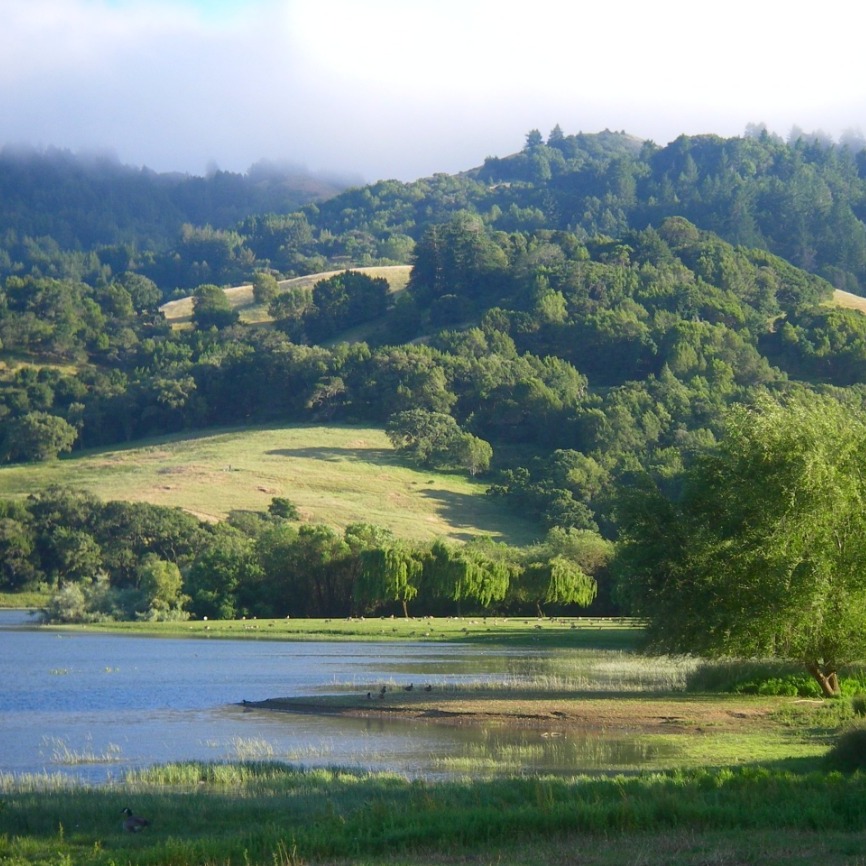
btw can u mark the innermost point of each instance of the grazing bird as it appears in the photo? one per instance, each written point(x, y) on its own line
point(132, 823)
point(409, 687)
point(383, 690)
point(428, 688)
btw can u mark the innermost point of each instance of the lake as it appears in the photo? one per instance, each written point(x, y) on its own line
point(93, 706)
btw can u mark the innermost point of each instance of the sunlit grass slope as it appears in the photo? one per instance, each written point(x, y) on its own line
point(179, 312)
point(335, 475)
point(849, 301)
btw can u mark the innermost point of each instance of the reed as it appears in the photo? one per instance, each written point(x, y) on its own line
point(60, 752)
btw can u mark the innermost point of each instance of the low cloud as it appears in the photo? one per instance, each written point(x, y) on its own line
point(388, 88)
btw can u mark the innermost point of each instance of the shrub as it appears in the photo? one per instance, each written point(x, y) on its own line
point(791, 685)
point(768, 678)
point(849, 753)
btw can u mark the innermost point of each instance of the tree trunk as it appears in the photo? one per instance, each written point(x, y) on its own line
point(827, 678)
point(405, 609)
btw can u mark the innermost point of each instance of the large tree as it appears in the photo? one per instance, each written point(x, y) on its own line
point(211, 308)
point(36, 436)
point(388, 574)
point(763, 551)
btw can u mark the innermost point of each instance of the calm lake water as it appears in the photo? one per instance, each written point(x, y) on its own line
point(93, 706)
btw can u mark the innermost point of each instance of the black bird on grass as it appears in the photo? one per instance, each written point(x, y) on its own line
point(409, 687)
point(132, 823)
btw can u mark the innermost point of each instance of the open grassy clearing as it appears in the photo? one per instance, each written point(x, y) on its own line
point(336, 475)
point(849, 301)
point(179, 312)
point(597, 633)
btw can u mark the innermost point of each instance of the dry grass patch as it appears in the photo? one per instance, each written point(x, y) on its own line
point(849, 301)
point(335, 475)
point(179, 312)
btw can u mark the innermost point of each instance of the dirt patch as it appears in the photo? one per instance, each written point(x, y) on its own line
point(621, 714)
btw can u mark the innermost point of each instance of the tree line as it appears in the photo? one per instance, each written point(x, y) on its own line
point(122, 560)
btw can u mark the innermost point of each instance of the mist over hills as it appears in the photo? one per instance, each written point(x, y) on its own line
point(85, 200)
point(802, 199)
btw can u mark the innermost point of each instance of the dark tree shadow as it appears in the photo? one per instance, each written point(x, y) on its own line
point(476, 513)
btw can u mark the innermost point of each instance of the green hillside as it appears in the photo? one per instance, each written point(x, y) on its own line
point(336, 475)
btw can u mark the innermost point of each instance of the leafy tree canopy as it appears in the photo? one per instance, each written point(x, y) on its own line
point(763, 553)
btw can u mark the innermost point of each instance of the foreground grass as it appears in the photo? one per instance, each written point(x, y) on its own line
point(270, 814)
point(335, 475)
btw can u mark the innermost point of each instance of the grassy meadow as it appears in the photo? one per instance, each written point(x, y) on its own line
point(335, 475)
point(266, 813)
point(179, 312)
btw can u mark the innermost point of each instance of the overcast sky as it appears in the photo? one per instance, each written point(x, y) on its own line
point(407, 88)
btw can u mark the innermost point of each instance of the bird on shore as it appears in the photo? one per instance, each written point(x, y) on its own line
point(132, 823)
point(382, 691)
point(428, 688)
point(409, 687)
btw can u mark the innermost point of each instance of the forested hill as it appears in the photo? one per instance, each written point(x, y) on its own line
point(89, 219)
point(582, 309)
point(54, 202)
point(580, 314)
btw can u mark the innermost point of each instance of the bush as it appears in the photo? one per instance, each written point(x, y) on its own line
point(790, 685)
point(769, 679)
point(858, 705)
point(849, 753)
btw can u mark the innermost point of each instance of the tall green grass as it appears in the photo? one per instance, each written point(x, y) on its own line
point(266, 813)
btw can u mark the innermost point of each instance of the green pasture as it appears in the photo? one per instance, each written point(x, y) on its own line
point(600, 633)
point(335, 475)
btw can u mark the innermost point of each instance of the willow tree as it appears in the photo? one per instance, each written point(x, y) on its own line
point(464, 574)
point(559, 580)
point(763, 552)
point(388, 574)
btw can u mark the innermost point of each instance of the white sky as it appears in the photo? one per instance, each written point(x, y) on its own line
point(406, 88)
